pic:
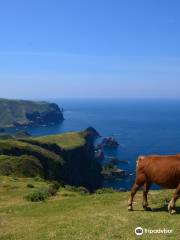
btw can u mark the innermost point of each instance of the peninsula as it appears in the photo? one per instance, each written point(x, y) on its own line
point(28, 113)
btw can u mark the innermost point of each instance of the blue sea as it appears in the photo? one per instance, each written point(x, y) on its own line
point(141, 127)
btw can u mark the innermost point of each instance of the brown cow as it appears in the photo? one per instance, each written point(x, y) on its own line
point(162, 170)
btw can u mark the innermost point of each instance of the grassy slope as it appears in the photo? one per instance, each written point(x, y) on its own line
point(13, 145)
point(64, 157)
point(65, 141)
point(38, 147)
point(22, 158)
point(72, 216)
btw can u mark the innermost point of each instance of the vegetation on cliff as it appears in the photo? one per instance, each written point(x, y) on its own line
point(21, 113)
point(67, 157)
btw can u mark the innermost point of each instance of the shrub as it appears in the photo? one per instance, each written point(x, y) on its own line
point(82, 190)
point(53, 189)
point(37, 178)
point(105, 190)
point(70, 188)
point(6, 168)
point(56, 185)
point(37, 196)
point(29, 185)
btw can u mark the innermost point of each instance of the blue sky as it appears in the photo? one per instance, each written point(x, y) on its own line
point(89, 48)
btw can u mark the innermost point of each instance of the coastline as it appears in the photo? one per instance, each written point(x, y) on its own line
point(137, 130)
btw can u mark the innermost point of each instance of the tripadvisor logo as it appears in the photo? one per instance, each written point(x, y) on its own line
point(140, 231)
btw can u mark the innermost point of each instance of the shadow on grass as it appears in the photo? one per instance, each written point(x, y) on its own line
point(159, 209)
point(165, 209)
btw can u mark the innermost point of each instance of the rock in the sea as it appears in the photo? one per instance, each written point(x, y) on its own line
point(112, 160)
point(118, 172)
point(114, 173)
point(115, 161)
point(109, 142)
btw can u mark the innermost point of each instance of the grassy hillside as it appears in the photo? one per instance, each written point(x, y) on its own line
point(20, 112)
point(65, 141)
point(64, 157)
point(38, 154)
point(21, 158)
point(73, 216)
point(20, 166)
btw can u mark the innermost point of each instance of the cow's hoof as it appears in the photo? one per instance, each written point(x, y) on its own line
point(130, 209)
point(147, 209)
point(172, 211)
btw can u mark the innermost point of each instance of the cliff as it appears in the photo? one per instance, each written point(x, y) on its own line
point(67, 158)
point(23, 113)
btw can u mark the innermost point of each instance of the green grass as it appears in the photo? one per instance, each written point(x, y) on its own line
point(73, 216)
point(13, 146)
point(22, 158)
point(66, 141)
point(23, 165)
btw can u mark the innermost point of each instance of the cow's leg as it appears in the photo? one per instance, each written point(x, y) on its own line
point(133, 192)
point(171, 205)
point(145, 193)
point(138, 183)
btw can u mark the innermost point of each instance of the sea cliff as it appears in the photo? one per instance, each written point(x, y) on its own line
point(67, 158)
point(28, 113)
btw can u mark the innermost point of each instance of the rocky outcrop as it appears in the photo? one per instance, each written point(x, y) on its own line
point(93, 132)
point(109, 142)
point(114, 173)
point(115, 160)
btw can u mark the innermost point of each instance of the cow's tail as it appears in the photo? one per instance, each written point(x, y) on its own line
point(138, 161)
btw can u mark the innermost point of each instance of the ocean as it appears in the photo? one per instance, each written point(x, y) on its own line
point(141, 127)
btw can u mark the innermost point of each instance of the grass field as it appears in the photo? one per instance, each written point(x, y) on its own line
point(73, 216)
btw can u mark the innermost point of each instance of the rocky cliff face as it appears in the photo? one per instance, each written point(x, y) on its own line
point(52, 116)
point(24, 113)
point(68, 157)
point(81, 167)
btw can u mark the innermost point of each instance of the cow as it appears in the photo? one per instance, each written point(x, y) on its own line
point(161, 170)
